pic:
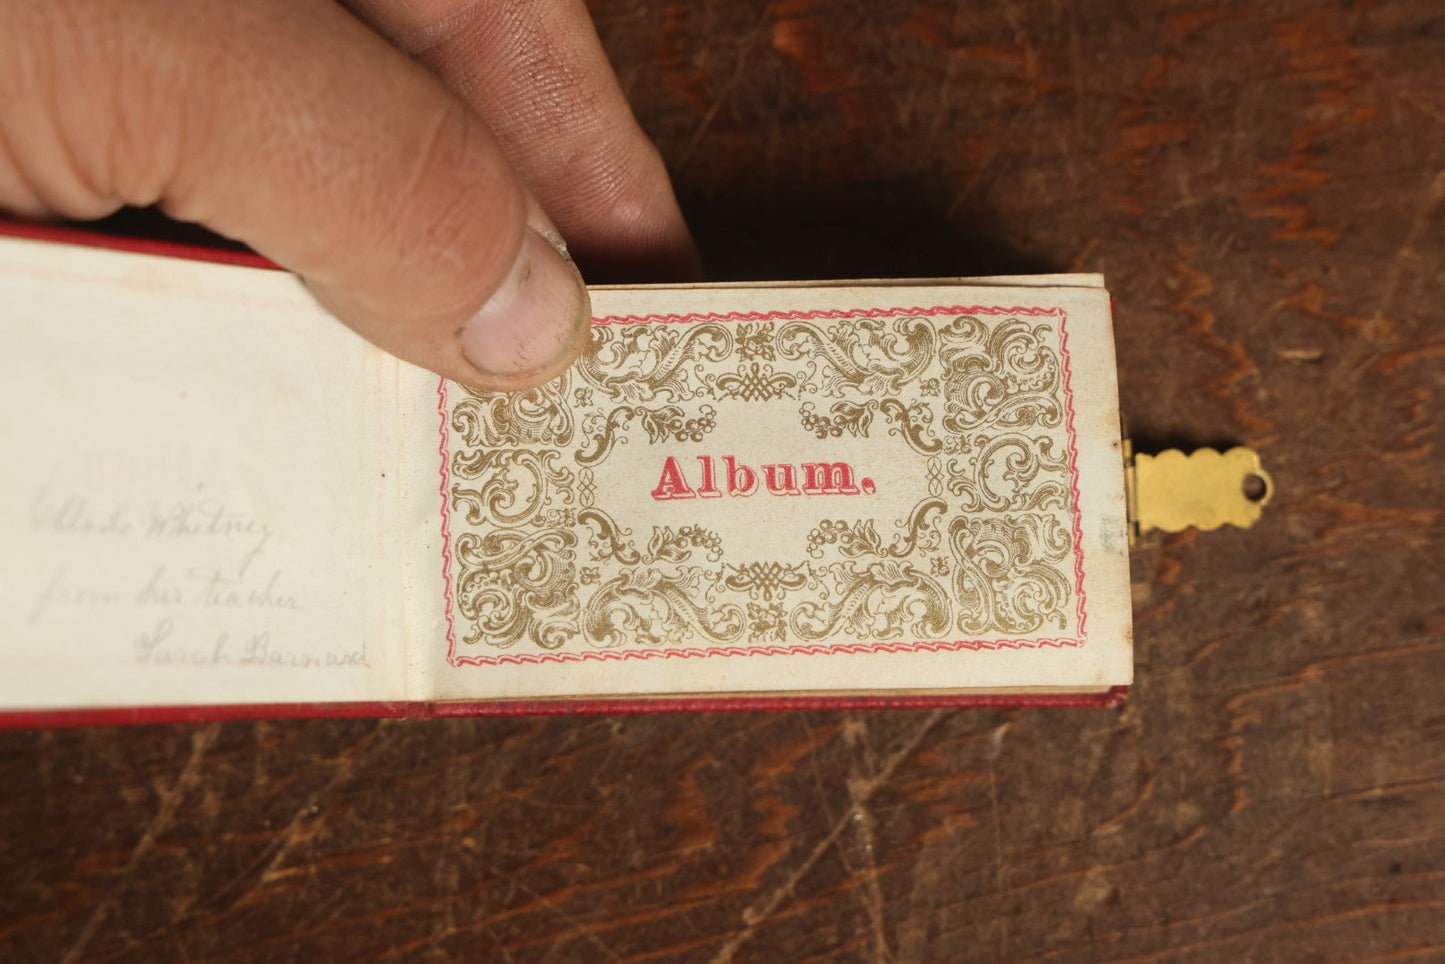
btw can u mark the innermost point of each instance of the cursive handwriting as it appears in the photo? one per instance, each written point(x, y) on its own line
point(64, 591)
point(159, 646)
point(73, 514)
point(184, 581)
point(202, 519)
point(211, 588)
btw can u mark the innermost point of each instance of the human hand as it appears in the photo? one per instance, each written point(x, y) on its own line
point(413, 202)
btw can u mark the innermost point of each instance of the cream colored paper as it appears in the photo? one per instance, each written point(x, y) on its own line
point(981, 542)
point(193, 512)
point(213, 493)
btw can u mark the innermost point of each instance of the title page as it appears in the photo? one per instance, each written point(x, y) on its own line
point(744, 490)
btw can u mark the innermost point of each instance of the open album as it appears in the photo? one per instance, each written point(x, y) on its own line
point(217, 500)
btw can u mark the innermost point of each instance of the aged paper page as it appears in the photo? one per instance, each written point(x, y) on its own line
point(215, 494)
point(756, 489)
point(199, 500)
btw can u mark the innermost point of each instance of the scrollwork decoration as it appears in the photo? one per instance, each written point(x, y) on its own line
point(513, 485)
point(660, 424)
point(653, 608)
point(860, 538)
point(912, 424)
point(765, 580)
point(870, 356)
point(1007, 577)
point(537, 416)
point(850, 418)
point(755, 382)
point(517, 585)
point(637, 364)
point(1010, 472)
point(1006, 375)
point(882, 600)
point(609, 541)
point(975, 402)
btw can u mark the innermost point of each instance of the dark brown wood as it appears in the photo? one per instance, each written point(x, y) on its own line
point(1264, 186)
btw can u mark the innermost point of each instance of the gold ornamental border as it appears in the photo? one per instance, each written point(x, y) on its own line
point(444, 407)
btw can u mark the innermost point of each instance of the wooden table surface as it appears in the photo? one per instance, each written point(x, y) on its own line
point(1264, 187)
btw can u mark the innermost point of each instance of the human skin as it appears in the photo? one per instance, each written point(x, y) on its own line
point(417, 163)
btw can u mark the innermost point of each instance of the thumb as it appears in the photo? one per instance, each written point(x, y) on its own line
point(290, 126)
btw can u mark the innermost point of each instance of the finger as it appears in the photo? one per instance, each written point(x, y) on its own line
point(536, 72)
point(289, 125)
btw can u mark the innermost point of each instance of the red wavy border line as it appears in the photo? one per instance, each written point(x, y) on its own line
point(802, 649)
point(795, 315)
point(1073, 480)
point(446, 522)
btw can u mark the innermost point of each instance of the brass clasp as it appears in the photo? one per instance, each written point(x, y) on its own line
point(1204, 489)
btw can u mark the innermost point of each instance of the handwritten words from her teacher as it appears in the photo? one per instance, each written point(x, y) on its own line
point(188, 582)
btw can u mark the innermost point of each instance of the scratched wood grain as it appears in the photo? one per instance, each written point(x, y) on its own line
point(1264, 186)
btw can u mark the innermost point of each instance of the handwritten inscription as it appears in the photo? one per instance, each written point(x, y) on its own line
point(201, 588)
point(158, 646)
point(75, 514)
point(64, 591)
point(197, 581)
